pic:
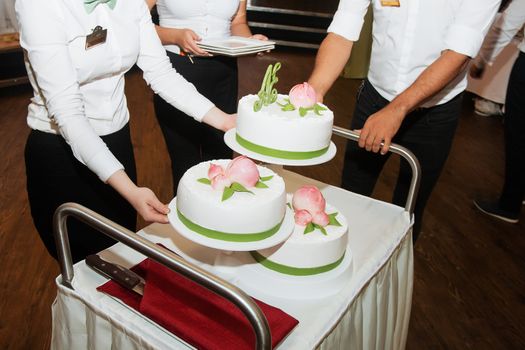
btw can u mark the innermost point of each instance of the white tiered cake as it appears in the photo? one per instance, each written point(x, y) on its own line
point(214, 200)
point(312, 248)
point(292, 127)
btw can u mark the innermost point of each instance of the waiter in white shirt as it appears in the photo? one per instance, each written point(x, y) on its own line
point(77, 52)
point(508, 206)
point(412, 96)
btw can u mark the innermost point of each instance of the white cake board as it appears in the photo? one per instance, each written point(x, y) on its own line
point(280, 236)
point(231, 141)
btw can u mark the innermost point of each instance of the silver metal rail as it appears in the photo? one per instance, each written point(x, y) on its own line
point(403, 152)
point(163, 256)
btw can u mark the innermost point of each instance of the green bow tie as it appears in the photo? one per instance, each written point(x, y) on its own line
point(90, 5)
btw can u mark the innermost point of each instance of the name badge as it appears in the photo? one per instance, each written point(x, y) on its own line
point(390, 3)
point(98, 37)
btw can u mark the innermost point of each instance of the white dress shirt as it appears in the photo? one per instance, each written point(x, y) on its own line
point(503, 31)
point(210, 19)
point(79, 92)
point(408, 38)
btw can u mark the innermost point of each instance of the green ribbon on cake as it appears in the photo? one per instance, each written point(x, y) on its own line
point(225, 236)
point(277, 153)
point(294, 271)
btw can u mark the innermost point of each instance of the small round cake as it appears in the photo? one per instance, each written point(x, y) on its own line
point(285, 134)
point(215, 200)
point(317, 244)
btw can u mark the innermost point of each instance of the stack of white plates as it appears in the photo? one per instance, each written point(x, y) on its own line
point(235, 46)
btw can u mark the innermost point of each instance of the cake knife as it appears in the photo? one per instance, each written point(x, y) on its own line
point(121, 275)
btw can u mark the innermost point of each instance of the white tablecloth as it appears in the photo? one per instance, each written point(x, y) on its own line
point(371, 311)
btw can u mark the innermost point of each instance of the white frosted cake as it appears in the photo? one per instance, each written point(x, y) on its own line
point(312, 248)
point(292, 126)
point(282, 134)
point(234, 201)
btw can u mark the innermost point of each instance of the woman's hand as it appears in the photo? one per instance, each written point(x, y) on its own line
point(187, 40)
point(259, 37)
point(220, 120)
point(148, 206)
point(141, 198)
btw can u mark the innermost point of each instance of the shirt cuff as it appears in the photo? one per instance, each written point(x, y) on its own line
point(104, 164)
point(463, 40)
point(348, 25)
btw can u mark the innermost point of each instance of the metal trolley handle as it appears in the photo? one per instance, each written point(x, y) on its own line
point(163, 256)
point(403, 152)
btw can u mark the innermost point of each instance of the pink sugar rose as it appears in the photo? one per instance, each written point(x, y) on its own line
point(302, 217)
point(302, 95)
point(219, 182)
point(321, 219)
point(243, 170)
point(309, 198)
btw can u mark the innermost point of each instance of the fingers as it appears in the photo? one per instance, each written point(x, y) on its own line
point(372, 141)
point(259, 37)
point(386, 146)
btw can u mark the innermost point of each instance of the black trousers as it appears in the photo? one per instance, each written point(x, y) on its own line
point(54, 177)
point(428, 133)
point(513, 191)
point(188, 141)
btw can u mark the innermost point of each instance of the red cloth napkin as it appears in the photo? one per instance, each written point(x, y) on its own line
point(195, 314)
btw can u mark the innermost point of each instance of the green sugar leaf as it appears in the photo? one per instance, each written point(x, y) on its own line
point(288, 107)
point(204, 181)
point(302, 111)
point(228, 192)
point(321, 228)
point(309, 228)
point(260, 184)
point(237, 187)
point(333, 220)
point(289, 205)
point(267, 178)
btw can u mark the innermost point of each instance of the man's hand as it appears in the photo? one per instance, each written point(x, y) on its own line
point(381, 127)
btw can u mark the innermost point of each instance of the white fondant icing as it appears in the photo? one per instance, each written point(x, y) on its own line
point(241, 213)
point(313, 249)
point(288, 131)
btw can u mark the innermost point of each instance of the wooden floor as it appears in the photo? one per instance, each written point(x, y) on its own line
point(469, 288)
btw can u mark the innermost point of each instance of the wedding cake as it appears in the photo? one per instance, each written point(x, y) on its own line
point(290, 126)
point(231, 200)
point(318, 242)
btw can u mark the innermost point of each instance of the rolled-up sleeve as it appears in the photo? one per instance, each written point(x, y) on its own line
point(349, 18)
point(44, 39)
point(471, 23)
point(162, 77)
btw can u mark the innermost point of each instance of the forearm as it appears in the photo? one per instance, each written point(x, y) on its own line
point(329, 62)
point(167, 35)
point(241, 29)
point(219, 120)
point(121, 183)
point(434, 78)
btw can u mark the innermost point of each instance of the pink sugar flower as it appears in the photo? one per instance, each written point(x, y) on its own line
point(309, 198)
point(302, 95)
point(215, 170)
point(302, 217)
point(243, 170)
point(321, 219)
point(219, 182)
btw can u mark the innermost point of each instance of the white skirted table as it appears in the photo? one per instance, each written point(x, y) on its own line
point(371, 311)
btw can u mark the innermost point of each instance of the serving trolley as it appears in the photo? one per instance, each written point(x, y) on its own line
point(371, 311)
